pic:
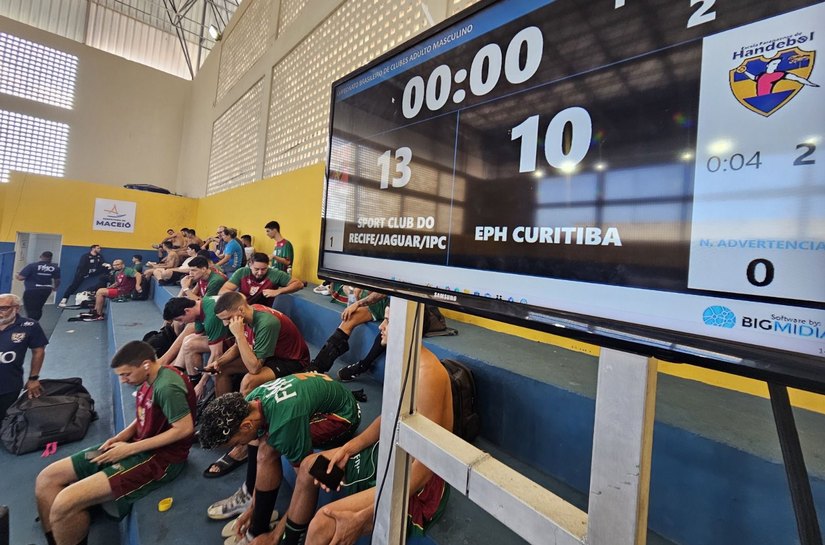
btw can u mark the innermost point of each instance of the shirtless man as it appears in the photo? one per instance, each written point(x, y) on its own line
point(345, 520)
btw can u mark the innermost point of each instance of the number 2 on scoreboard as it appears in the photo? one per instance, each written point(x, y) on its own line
point(704, 14)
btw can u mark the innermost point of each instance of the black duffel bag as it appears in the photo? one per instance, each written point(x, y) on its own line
point(62, 415)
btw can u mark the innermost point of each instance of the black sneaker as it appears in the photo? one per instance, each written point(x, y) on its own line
point(348, 373)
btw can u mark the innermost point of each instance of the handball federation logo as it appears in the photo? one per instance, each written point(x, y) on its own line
point(763, 85)
point(719, 316)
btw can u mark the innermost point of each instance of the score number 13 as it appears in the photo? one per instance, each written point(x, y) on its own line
point(403, 156)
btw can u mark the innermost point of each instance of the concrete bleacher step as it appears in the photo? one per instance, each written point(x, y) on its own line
point(191, 492)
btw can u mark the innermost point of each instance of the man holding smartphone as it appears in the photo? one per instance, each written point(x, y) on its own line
point(148, 453)
point(291, 416)
point(351, 517)
point(203, 333)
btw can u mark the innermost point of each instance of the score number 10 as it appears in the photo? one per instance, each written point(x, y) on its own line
point(581, 131)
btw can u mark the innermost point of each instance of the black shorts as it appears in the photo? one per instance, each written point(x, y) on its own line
point(282, 367)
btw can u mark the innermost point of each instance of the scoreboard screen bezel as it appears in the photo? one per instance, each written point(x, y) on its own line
point(795, 369)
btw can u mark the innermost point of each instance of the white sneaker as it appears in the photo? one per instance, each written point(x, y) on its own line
point(232, 506)
point(245, 540)
point(63, 302)
point(321, 290)
point(229, 528)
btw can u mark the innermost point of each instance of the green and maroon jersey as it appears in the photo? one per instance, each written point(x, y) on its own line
point(272, 333)
point(209, 323)
point(210, 285)
point(284, 250)
point(253, 288)
point(125, 281)
point(158, 405)
point(291, 403)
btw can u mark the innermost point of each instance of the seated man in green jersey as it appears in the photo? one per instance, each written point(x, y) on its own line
point(148, 453)
point(204, 332)
point(260, 283)
point(267, 345)
point(291, 416)
point(126, 280)
point(204, 280)
point(345, 520)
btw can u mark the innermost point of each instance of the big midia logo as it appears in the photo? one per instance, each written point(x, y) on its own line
point(719, 316)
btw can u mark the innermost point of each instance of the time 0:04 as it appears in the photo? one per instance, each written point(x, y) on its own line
point(737, 160)
point(734, 162)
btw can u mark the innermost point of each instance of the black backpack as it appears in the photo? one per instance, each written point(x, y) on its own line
point(466, 422)
point(62, 415)
point(161, 340)
point(435, 325)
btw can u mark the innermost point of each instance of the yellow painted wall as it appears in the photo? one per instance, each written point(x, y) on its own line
point(293, 200)
point(43, 204)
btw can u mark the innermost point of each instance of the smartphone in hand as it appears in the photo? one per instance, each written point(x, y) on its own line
point(331, 480)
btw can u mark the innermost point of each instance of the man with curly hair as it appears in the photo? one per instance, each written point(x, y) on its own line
point(291, 416)
point(348, 518)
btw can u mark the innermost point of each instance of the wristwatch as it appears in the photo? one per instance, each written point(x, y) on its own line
point(34, 377)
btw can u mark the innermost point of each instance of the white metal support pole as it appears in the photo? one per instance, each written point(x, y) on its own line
point(622, 445)
point(400, 378)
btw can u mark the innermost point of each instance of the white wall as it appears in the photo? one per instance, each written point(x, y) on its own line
point(127, 120)
point(291, 127)
point(198, 115)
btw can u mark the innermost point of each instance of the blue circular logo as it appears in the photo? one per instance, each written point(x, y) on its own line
point(719, 316)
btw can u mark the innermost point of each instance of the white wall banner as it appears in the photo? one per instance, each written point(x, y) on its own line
point(113, 215)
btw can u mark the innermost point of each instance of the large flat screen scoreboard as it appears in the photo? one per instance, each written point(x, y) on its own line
point(648, 172)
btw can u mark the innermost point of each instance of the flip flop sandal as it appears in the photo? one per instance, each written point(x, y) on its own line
point(85, 316)
point(226, 464)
